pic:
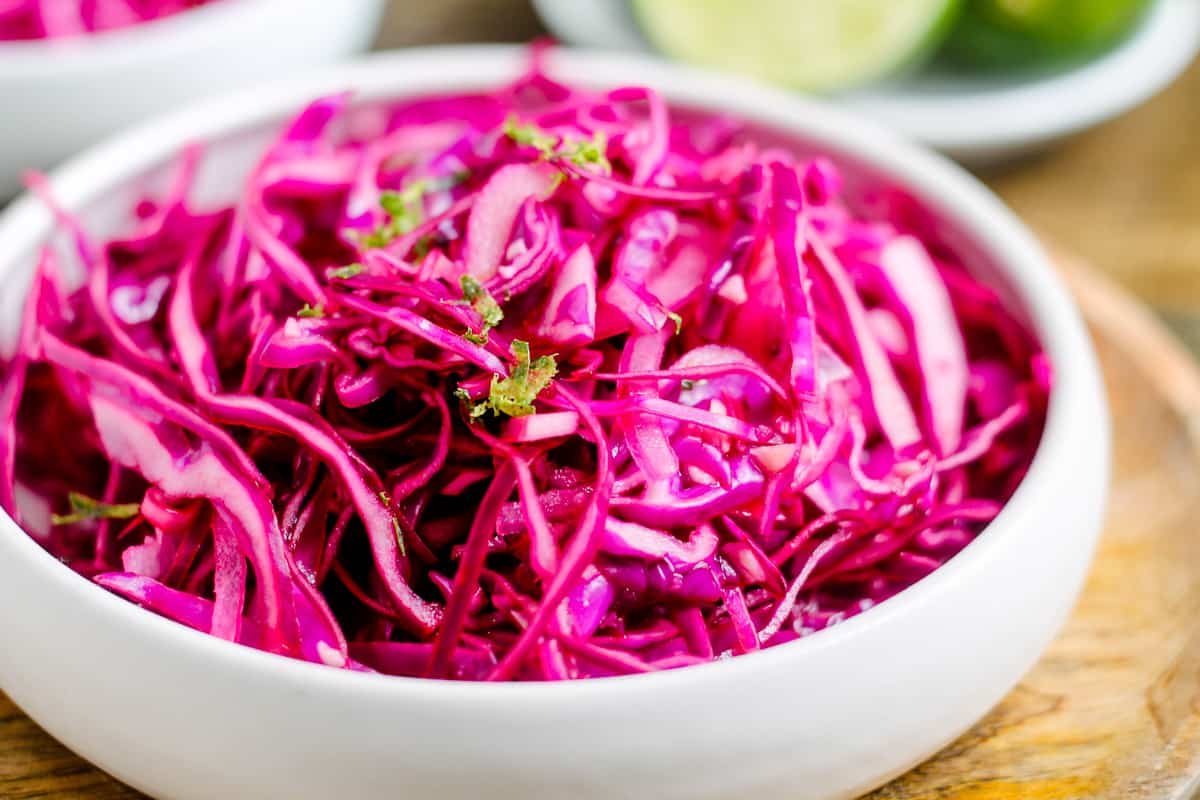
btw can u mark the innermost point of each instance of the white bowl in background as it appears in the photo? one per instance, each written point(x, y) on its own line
point(58, 96)
point(180, 714)
point(979, 119)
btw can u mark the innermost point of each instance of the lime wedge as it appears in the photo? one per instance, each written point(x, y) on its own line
point(817, 45)
point(1008, 34)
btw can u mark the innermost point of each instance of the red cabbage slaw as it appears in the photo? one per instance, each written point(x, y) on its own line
point(533, 384)
point(22, 20)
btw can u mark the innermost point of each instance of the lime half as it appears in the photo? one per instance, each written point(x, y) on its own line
point(819, 45)
point(1015, 34)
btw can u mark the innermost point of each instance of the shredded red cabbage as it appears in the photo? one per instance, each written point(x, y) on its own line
point(536, 384)
point(55, 19)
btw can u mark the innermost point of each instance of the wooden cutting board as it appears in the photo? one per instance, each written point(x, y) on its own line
point(1112, 711)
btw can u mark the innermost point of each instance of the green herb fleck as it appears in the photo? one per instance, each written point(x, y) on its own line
point(85, 508)
point(406, 206)
point(586, 152)
point(376, 239)
point(386, 499)
point(422, 246)
point(399, 535)
point(406, 209)
point(687, 384)
point(678, 320)
point(348, 271)
point(311, 312)
point(515, 394)
point(481, 300)
point(530, 135)
point(476, 410)
point(580, 152)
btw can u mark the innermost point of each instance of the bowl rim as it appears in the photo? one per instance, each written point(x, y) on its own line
point(171, 36)
point(956, 194)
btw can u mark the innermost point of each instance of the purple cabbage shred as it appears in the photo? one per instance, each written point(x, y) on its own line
point(537, 384)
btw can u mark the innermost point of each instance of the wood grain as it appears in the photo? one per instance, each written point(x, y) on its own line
point(34, 765)
point(1113, 709)
point(1111, 712)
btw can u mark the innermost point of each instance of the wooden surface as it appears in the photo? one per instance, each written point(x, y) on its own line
point(1110, 712)
point(1113, 710)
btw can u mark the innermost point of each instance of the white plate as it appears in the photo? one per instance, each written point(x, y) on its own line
point(976, 119)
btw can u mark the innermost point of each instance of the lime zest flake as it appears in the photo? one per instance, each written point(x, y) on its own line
point(580, 152)
point(85, 508)
point(589, 152)
point(515, 394)
point(348, 271)
point(406, 209)
point(481, 301)
point(423, 245)
point(530, 135)
point(386, 499)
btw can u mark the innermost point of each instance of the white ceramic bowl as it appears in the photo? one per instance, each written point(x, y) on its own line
point(59, 96)
point(179, 714)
